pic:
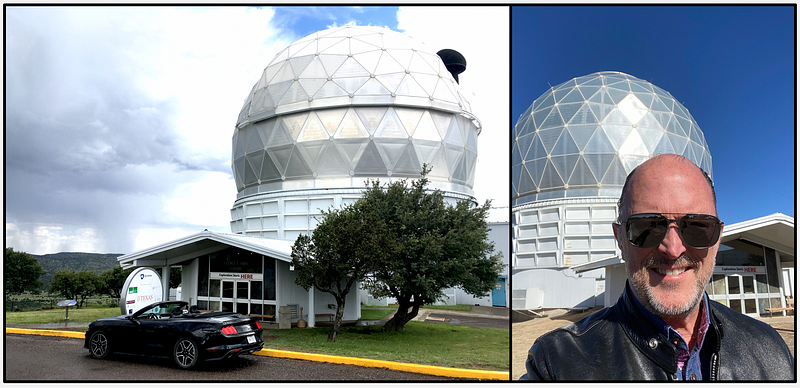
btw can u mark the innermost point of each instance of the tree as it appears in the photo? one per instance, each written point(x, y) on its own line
point(175, 277)
point(341, 251)
point(441, 246)
point(22, 272)
point(113, 280)
point(77, 285)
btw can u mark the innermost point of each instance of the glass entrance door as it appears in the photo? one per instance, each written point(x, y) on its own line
point(236, 296)
point(227, 295)
point(742, 294)
point(242, 297)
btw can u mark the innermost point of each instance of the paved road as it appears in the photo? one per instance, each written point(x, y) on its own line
point(32, 357)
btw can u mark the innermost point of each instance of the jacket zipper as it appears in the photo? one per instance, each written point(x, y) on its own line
point(714, 361)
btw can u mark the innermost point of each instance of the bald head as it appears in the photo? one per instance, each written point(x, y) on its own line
point(668, 169)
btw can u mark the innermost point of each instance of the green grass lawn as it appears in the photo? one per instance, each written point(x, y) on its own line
point(419, 342)
point(375, 315)
point(57, 315)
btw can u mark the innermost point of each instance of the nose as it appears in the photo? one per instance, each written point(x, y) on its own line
point(672, 245)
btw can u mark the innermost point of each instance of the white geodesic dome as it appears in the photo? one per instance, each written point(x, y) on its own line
point(354, 102)
point(341, 106)
point(582, 137)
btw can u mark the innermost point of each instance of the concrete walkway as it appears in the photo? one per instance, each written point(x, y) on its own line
point(491, 312)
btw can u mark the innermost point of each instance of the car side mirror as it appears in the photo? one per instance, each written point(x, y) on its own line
point(132, 319)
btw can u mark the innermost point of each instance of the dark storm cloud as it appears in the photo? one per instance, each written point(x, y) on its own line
point(85, 142)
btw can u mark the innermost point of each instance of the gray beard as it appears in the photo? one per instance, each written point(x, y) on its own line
point(642, 290)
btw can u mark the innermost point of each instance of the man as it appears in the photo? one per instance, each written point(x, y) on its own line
point(664, 327)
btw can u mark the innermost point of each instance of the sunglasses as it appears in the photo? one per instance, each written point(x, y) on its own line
point(698, 231)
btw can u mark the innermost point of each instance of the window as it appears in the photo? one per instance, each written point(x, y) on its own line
point(202, 277)
point(256, 289)
point(214, 288)
point(740, 253)
point(269, 279)
point(733, 285)
point(747, 285)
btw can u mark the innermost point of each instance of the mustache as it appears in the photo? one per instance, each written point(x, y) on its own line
point(682, 260)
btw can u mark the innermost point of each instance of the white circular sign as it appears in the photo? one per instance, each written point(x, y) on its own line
point(142, 287)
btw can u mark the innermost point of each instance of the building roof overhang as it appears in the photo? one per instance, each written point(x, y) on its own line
point(613, 261)
point(198, 244)
point(775, 231)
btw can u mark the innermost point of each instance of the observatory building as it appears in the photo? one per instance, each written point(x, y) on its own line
point(341, 106)
point(571, 152)
point(330, 111)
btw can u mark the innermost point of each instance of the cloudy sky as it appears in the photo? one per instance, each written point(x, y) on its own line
point(119, 120)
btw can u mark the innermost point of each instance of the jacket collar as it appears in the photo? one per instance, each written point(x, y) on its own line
point(650, 340)
point(644, 335)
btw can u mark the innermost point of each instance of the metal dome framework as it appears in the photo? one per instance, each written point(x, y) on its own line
point(354, 102)
point(336, 108)
point(582, 137)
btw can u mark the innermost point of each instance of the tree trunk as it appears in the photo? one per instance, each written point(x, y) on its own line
point(337, 321)
point(406, 311)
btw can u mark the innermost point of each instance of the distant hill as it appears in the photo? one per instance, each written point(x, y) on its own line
point(76, 261)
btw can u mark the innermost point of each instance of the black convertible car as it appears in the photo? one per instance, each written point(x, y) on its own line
point(174, 329)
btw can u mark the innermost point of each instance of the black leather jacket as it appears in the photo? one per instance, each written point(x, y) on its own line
point(618, 343)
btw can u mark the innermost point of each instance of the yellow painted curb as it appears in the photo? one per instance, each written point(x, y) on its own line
point(414, 368)
point(52, 333)
point(403, 367)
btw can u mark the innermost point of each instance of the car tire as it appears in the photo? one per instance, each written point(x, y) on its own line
point(99, 345)
point(185, 353)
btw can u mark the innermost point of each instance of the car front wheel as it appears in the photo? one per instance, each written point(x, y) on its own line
point(99, 346)
point(185, 354)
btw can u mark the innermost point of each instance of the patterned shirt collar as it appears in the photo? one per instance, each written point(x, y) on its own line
point(688, 359)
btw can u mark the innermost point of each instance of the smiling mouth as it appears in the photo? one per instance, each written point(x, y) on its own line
point(671, 272)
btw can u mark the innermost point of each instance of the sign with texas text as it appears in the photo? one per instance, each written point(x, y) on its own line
point(142, 287)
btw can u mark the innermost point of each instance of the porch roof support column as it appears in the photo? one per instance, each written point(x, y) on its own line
point(311, 319)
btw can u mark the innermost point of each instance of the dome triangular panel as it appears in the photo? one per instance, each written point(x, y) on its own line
point(615, 175)
point(564, 164)
point(351, 150)
point(581, 134)
point(391, 127)
point(330, 163)
point(526, 184)
point(410, 119)
point(582, 175)
point(372, 88)
point(297, 167)
point(330, 89)
point(370, 162)
point(550, 177)
point(298, 64)
point(351, 127)
point(331, 63)
point(599, 163)
point(410, 87)
point(269, 172)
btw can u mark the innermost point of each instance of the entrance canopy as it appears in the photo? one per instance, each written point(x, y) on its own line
point(203, 243)
point(775, 231)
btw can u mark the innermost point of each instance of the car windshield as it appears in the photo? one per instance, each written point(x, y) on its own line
point(160, 309)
